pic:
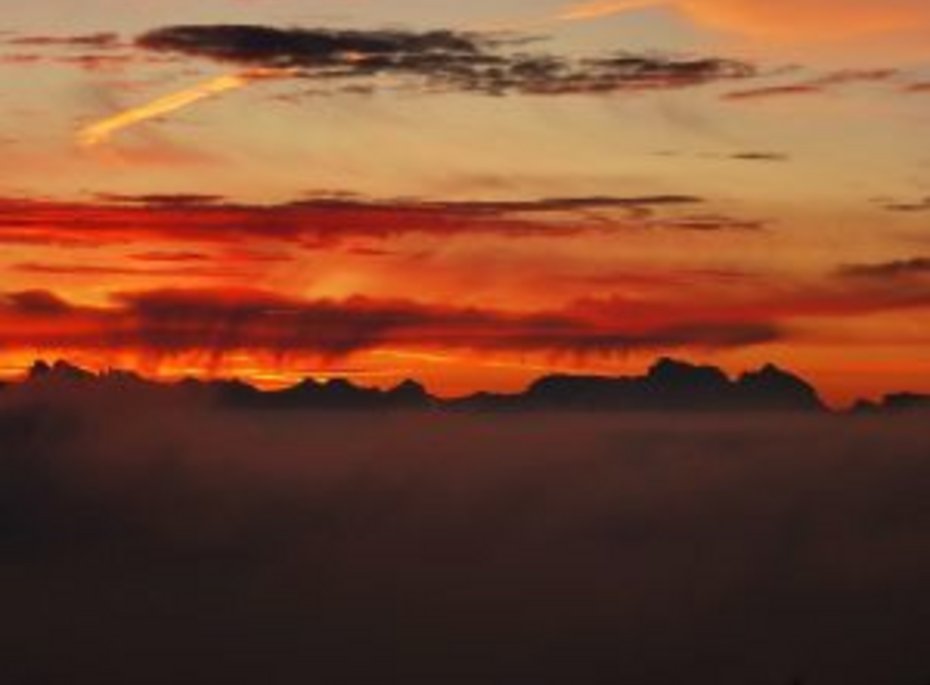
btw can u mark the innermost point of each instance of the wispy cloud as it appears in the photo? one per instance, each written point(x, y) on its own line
point(815, 85)
point(901, 268)
point(585, 11)
point(97, 41)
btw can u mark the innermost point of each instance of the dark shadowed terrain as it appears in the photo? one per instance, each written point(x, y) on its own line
point(160, 538)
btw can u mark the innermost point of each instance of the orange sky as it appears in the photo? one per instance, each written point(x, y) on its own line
point(792, 20)
point(315, 194)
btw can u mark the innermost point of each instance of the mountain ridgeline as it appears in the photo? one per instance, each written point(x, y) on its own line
point(669, 386)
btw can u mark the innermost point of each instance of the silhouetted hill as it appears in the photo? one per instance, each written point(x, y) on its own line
point(409, 395)
point(772, 388)
point(59, 372)
point(672, 385)
point(669, 386)
point(336, 394)
point(907, 402)
point(488, 402)
point(897, 403)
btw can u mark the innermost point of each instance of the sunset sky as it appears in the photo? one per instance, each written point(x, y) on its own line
point(470, 194)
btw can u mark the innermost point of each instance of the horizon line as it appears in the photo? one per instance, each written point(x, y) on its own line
point(41, 366)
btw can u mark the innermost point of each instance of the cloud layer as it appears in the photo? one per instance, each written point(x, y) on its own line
point(152, 543)
point(334, 220)
point(222, 322)
point(443, 59)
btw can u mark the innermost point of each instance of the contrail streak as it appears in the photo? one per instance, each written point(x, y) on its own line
point(584, 11)
point(98, 133)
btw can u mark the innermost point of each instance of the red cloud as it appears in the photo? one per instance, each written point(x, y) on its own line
point(316, 222)
point(226, 321)
point(218, 322)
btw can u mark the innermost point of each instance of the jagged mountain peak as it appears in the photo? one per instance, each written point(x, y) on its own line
point(669, 385)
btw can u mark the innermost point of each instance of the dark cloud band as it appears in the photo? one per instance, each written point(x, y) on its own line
point(220, 322)
point(461, 61)
point(334, 220)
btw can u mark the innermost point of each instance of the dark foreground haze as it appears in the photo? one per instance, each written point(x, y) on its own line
point(175, 543)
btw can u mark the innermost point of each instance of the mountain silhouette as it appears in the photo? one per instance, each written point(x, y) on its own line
point(897, 403)
point(669, 386)
point(59, 372)
point(336, 394)
point(772, 388)
point(672, 385)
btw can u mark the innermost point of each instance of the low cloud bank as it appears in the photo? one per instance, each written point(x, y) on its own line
point(173, 542)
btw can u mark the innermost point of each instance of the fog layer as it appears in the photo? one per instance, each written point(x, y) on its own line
point(145, 542)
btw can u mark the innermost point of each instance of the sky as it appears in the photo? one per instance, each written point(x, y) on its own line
point(471, 194)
